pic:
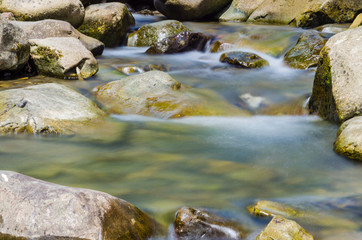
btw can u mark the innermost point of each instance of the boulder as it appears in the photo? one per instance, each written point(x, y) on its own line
point(240, 10)
point(155, 32)
point(107, 22)
point(195, 224)
point(349, 139)
point(157, 94)
point(305, 53)
point(189, 10)
point(243, 60)
point(337, 84)
point(181, 42)
point(71, 11)
point(284, 229)
point(63, 57)
point(57, 28)
point(35, 209)
point(14, 47)
point(46, 109)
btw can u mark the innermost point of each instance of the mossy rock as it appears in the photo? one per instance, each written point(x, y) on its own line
point(243, 60)
point(155, 32)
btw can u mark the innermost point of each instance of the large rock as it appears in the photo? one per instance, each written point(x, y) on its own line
point(305, 53)
point(14, 47)
point(284, 229)
point(189, 9)
point(243, 59)
point(195, 224)
point(46, 109)
point(337, 84)
point(155, 32)
point(301, 13)
point(63, 57)
point(157, 94)
point(349, 139)
point(34, 209)
point(71, 11)
point(107, 22)
point(57, 28)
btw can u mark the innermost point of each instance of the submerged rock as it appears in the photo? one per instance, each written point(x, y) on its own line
point(157, 94)
point(46, 109)
point(189, 10)
point(195, 224)
point(14, 47)
point(34, 209)
point(155, 32)
point(337, 84)
point(280, 228)
point(71, 11)
point(266, 208)
point(305, 53)
point(297, 106)
point(57, 28)
point(63, 57)
point(107, 22)
point(349, 139)
point(243, 59)
point(181, 42)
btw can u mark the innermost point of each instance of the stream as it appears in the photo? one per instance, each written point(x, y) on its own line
point(222, 164)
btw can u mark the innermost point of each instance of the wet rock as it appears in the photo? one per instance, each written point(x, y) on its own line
point(63, 58)
point(181, 42)
point(46, 109)
point(220, 46)
point(332, 29)
point(243, 60)
point(35, 209)
point(57, 28)
point(155, 32)
point(357, 21)
point(266, 208)
point(252, 102)
point(107, 22)
point(71, 11)
point(189, 10)
point(129, 69)
point(284, 229)
point(157, 94)
point(337, 84)
point(296, 106)
point(240, 10)
point(195, 224)
point(349, 139)
point(305, 53)
point(14, 47)
point(306, 13)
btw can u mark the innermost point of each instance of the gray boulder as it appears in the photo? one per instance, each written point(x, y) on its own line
point(46, 109)
point(349, 139)
point(71, 11)
point(63, 58)
point(155, 32)
point(240, 10)
point(14, 47)
point(57, 28)
point(107, 22)
point(337, 84)
point(35, 209)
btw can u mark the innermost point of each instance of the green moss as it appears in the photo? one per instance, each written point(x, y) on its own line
point(94, 29)
point(46, 60)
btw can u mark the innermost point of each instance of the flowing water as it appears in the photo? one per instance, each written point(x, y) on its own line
point(220, 163)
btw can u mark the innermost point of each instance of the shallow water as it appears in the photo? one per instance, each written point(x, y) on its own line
point(219, 163)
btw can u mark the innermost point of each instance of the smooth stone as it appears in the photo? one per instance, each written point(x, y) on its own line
point(190, 10)
point(149, 34)
point(243, 60)
point(240, 10)
point(357, 21)
point(283, 229)
point(107, 22)
point(337, 84)
point(46, 109)
point(14, 47)
point(195, 224)
point(71, 11)
point(35, 209)
point(63, 57)
point(305, 53)
point(349, 139)
point(157, 94)
point(56, 28)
